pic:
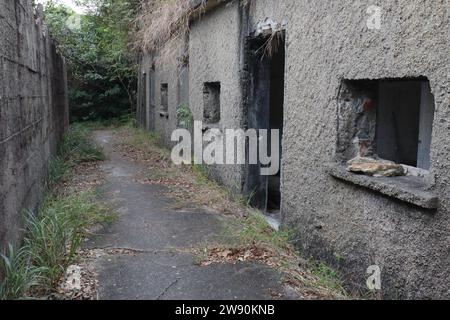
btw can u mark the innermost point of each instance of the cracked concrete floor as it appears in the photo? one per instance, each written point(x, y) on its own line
point(158, 234)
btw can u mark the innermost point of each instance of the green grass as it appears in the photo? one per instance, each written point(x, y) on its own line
point(144, 138)
point(55, 232)
point(76, 148)
point(327, 277)
point(242, 199)
point(201, 174)
point(257, 230)
point(254, 229)
point(57, 171)
point(58, 230)
point(19, 274)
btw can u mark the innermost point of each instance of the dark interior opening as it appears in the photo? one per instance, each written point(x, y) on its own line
point(164, 97)
point(211, 102)
point(151, 99)
point(387, 118)
point(404, 122)
point(143, 99)
point(265, 110)
point(276, 117)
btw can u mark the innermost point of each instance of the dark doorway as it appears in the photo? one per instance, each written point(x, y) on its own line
point(265, 110)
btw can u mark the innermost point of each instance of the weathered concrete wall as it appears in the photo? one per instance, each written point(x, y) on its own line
point(33, 112)
point(166, 72)
point(345, 225)
point(216, 58)
point(156, 70)
point(335, 219)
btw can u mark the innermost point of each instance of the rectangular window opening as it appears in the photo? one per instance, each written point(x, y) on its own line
point(164, 97)
point(211, 101)
point(390, 118)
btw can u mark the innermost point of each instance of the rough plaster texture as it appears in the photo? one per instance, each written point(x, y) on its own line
point(215, 58)
point(33, 112)
point(344, 224)
point(410, 189)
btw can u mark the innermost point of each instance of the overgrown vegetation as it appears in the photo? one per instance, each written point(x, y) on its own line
point(185, 117)
point(162, 26)
point(56, 231)
point(76, 148)
point(251, 238)
point(327, 276)
point(254, 229)
point(161, 21)
point(18, 272)
point(102, 69)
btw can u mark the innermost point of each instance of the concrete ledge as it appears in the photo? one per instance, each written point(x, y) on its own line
point(413, 190)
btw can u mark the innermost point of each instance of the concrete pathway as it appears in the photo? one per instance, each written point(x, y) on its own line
point(154, 265)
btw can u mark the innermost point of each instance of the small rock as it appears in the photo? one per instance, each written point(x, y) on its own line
point(376, 167)
point(73, 278)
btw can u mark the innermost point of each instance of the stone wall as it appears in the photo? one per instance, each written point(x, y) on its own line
point(343, 223)
point(33, 112)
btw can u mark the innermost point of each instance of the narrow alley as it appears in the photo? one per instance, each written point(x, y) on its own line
point(152, 245)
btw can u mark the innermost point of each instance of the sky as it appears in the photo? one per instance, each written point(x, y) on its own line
point(69, 3)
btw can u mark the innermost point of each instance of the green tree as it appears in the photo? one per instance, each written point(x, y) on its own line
point(102, 69)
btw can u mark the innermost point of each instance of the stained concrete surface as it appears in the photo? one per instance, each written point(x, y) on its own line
point(160, 268)
point(34, 112)
point(409, 189)
point(174, 276)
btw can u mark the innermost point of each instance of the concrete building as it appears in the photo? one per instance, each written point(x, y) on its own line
point(341, 79)
point(34, 112)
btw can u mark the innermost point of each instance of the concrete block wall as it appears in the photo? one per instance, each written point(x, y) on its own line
point(33, 112)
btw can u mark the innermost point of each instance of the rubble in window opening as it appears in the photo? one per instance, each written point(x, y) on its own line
point(376, 167)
